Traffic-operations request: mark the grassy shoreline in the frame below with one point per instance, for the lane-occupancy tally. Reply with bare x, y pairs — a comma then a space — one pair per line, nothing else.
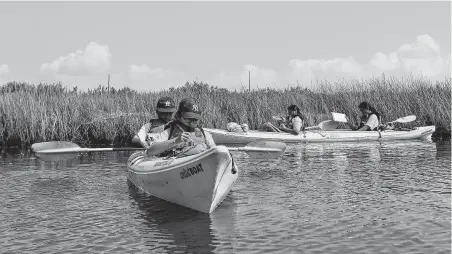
47, 112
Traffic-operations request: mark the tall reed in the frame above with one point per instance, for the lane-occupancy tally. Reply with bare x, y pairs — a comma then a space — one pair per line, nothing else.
36, 113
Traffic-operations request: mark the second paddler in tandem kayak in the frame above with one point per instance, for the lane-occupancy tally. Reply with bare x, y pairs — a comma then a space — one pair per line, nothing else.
370, 118
184, 134
293, 123
148, 132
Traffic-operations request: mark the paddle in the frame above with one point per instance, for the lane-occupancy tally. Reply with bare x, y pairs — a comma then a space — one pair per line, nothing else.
258, 149
405, 119
63, 150
325, 125
278, 118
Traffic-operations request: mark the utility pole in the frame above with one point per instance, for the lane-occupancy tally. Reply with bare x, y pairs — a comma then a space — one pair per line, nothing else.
108, 84
249, 80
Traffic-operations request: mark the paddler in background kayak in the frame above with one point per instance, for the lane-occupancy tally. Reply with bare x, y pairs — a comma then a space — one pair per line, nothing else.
165, 110
292, 123
184, 134
369, 120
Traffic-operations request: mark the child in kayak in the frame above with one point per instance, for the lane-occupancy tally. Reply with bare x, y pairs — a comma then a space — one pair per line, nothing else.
370, 119
165, 110
293, 122
184, 135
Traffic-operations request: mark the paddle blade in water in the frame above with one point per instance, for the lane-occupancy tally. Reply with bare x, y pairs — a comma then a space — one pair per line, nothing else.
52, 145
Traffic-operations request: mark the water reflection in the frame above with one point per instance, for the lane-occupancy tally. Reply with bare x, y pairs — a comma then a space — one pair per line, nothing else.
177, 229
391, 197
443, 150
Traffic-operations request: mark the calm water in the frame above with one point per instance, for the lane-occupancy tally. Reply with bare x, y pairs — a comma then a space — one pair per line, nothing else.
317, 198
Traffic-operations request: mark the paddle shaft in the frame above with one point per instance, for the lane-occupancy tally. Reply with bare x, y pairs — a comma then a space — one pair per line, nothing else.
82, 150
254, 149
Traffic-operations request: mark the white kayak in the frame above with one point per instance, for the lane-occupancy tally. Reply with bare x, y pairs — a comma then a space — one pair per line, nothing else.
199, 182
312, 136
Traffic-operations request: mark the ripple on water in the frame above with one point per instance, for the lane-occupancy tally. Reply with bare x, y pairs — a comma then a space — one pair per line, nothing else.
317, 198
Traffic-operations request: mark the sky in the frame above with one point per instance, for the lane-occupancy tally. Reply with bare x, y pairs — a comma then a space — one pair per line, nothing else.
149, 46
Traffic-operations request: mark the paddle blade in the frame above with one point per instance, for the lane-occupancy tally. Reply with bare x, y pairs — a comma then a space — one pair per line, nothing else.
265, 149
328, 125
37, 147
339, 117
406, 119
277, 118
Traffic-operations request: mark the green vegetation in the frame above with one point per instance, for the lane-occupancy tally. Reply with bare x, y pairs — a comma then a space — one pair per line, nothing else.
45, 112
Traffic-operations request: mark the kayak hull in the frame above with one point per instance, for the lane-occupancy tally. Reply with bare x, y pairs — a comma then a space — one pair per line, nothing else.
199, 182
318, 136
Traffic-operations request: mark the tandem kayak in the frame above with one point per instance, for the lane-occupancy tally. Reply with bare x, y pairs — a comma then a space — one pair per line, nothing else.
199, 182
313, 136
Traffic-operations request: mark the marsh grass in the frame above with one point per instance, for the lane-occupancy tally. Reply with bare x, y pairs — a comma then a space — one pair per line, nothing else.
47, 112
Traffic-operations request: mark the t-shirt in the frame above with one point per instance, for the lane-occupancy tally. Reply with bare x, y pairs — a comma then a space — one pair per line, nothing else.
372, 122
297, 123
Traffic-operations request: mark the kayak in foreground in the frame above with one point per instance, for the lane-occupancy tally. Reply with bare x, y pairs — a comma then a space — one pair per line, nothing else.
199, 182
226, 137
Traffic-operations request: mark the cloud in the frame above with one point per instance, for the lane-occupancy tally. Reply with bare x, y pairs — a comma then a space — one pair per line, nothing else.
137, 72
4, 70
420, 57
385, 62
424, 46
4, 73
144, 78
305, 71
93, 60
423, 56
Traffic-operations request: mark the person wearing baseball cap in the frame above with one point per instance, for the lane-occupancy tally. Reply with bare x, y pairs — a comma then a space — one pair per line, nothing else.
185, 132
165, 109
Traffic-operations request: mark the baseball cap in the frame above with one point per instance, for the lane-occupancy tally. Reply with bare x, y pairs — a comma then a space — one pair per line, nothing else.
166, 104
189, 109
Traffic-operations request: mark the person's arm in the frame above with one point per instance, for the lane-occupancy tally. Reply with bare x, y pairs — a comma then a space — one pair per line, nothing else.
162, 143
209, 140
297, 125
283, 127
352, 126
159, 147
142, 134
364, 128
371, 123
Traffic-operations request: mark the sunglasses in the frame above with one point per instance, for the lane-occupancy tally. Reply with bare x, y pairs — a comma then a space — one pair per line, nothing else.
191, 120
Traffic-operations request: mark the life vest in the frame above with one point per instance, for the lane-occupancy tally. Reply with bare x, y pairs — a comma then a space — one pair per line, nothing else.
364, 120
157, 126
289, 121
198, 137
